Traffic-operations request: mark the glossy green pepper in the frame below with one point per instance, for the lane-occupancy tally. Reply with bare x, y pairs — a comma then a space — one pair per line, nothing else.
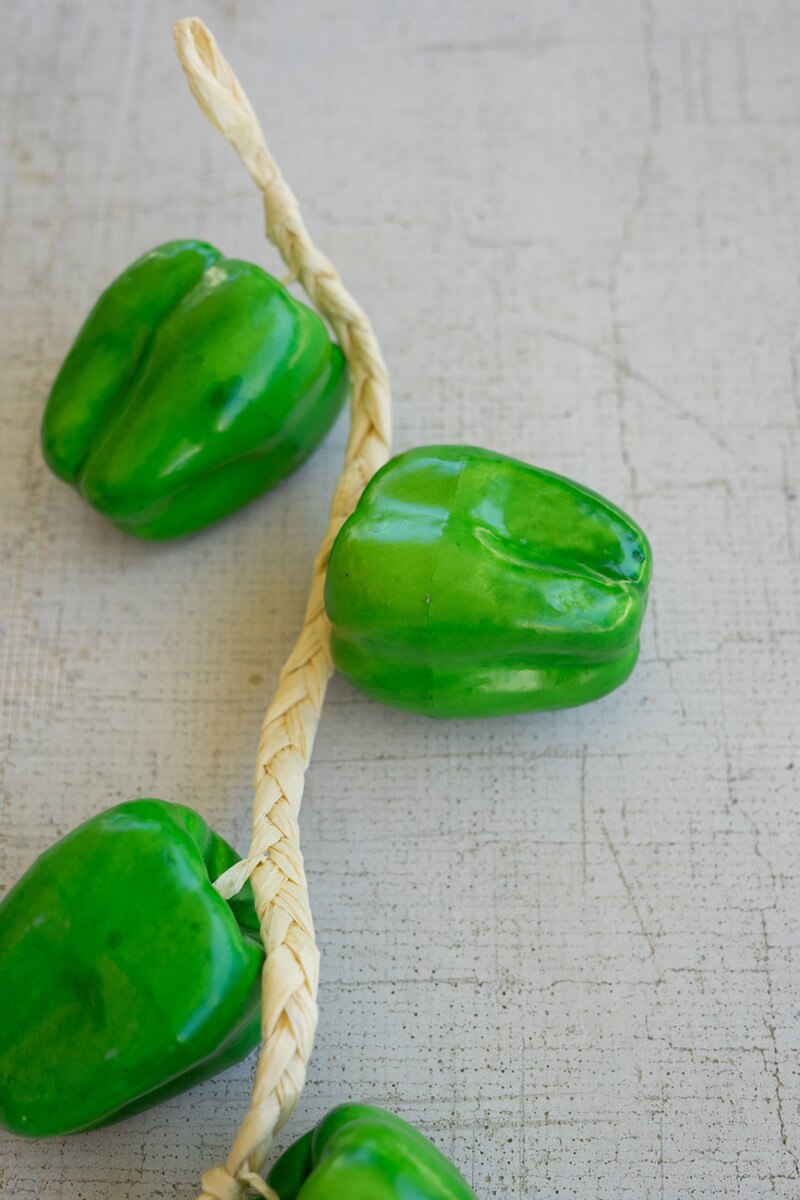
363, 1153
196, 383
124, 976
467, 584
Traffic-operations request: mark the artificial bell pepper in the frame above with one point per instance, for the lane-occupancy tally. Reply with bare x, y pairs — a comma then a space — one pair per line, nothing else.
362, 1153
468, 584
196, 383
124, 976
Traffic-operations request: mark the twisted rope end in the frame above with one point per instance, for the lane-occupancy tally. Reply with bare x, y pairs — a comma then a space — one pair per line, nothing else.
218, 1184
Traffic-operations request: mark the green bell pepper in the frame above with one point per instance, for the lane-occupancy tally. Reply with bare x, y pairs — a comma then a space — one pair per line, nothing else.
196, 383
467, 584
124, 976
363, 1153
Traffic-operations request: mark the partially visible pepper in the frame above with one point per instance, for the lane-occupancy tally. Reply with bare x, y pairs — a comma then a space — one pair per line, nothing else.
124, 976
362, 1153
468, 584
196, 383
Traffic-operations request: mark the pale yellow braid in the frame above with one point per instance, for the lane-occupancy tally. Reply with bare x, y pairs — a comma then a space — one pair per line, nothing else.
274, 861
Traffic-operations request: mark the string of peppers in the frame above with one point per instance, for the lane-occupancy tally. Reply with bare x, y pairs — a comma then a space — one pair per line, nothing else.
458, 582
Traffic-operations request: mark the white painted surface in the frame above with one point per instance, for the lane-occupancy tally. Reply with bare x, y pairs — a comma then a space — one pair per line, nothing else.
567, 946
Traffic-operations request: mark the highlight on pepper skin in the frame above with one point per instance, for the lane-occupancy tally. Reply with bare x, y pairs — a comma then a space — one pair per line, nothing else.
125, 976
358, 1152
469, 584
196, 383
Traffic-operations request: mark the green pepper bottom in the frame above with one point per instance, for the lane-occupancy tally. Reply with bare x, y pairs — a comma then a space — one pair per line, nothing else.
481, 689
124, 975
362, 1153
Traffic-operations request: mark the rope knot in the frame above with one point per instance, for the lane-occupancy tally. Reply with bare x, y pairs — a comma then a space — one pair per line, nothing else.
219, 1184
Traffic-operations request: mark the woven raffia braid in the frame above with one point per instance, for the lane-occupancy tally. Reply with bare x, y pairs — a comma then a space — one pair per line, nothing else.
274, 861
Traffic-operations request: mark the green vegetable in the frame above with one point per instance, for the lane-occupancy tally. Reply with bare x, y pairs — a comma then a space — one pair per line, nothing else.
363, 1153
467, 584
124, 976
196, 383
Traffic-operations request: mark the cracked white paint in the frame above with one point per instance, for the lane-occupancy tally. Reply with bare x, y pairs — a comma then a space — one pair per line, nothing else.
568, 946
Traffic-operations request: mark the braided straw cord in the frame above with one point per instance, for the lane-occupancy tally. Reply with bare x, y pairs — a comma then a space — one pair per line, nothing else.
274, 861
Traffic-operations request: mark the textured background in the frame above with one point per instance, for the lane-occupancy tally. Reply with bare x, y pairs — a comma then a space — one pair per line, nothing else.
567, 946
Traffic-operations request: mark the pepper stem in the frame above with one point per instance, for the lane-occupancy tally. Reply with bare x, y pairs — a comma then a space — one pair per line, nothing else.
274, 861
